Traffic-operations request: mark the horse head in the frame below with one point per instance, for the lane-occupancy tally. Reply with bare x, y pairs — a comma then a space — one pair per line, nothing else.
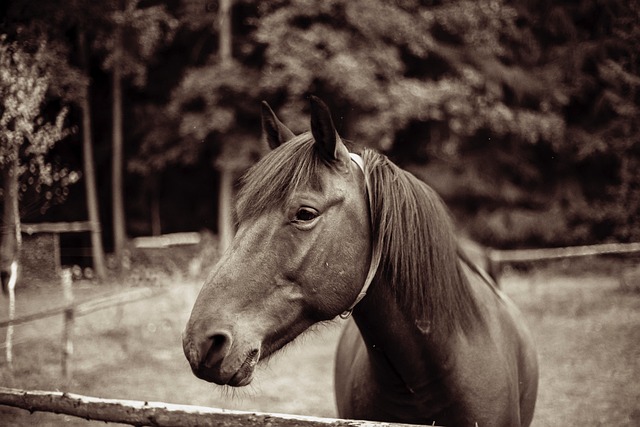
300, 255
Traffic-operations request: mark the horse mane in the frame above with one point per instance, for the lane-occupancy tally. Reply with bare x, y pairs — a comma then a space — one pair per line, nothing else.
410, 226
419, 250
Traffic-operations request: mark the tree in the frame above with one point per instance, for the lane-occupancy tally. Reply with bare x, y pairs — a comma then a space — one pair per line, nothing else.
491, 102
449, 88
225, 215
131, 41
88, 165
385, 77
25, 133
66, 27
590, 51
208, 109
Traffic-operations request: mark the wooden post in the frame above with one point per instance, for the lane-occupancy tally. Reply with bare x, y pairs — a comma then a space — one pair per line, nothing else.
494, 267
57, 256
12, 312
67, 333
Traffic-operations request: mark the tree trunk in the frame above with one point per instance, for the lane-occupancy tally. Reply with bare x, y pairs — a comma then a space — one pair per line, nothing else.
119, 232
224, 19
156, 221
89, 173
225, 212
11, 237
225, 195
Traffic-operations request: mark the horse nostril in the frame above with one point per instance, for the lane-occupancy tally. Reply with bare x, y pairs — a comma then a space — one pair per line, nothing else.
218, 343
216, 348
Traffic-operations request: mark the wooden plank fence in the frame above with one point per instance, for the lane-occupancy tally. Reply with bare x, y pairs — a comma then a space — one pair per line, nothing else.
56, 227
493, 260
525, 255
141, 413
167, 240
165, 414
86, 307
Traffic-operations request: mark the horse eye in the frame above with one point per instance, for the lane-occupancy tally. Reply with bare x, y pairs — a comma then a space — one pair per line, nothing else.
305, 215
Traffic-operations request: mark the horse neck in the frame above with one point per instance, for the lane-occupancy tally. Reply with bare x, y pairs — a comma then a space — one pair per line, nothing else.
417, 352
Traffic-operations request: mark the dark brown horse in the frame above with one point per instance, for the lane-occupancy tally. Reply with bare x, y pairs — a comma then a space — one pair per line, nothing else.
324, 232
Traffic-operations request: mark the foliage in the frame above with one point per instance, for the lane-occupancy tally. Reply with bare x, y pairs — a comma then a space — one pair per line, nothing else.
26, 130
523, 114
438, 66
532, 112
143, 30
586, 181
39, 30
212, 103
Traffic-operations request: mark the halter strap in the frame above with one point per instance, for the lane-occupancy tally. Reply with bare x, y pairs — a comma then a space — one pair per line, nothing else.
375, 256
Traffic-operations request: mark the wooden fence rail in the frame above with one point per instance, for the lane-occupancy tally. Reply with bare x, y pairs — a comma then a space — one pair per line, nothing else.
140, 413
89, 306
494, 259
70, 311
524, 255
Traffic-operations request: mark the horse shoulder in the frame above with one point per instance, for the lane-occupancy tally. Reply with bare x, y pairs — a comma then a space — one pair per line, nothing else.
351, 382
527, 360
503, 356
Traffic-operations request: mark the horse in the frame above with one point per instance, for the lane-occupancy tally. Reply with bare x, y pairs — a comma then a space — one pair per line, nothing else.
326, 230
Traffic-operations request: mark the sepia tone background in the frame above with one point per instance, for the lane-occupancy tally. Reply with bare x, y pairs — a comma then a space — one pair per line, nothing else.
132, 119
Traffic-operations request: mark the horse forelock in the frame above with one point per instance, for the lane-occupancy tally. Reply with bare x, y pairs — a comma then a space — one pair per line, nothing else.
270, 182
415, 236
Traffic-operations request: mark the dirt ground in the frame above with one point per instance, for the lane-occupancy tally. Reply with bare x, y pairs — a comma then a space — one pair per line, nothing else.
587, 330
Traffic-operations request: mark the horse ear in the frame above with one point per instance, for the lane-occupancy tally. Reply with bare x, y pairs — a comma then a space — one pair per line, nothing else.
324, 132
274, 132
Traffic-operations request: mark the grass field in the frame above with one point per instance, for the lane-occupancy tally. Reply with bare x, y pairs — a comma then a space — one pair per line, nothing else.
587, 330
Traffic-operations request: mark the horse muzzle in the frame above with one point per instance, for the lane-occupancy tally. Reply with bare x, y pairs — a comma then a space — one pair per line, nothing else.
216, 358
